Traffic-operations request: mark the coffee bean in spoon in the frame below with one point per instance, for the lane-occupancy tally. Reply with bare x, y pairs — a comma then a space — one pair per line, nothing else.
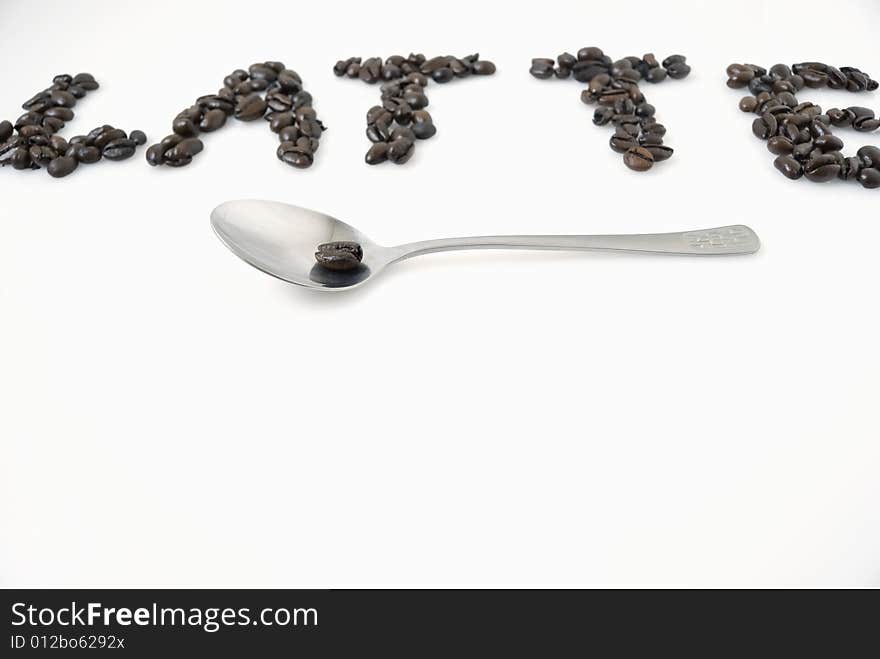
339, 256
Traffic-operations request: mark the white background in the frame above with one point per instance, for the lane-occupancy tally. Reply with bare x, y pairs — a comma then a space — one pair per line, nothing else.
169, 415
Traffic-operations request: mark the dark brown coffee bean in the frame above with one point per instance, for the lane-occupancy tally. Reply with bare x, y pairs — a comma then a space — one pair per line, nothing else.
828, 143
484, 68
42, 155
281, 120
339, 256
61, 166
86, 154
869, 177
764, 126
660, 152
822, 168
62, 99
21, 158
638, 159
779, 145
120, 149
5, 130
678, 70
212, 120
189, 147
789, 167
184, 126
869, 156
400, 151
250, 107
378, 153
622, 143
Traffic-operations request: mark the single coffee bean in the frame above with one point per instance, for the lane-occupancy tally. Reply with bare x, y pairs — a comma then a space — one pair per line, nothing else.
107, 136
120, 149
339, 256
828, 143
189, 147
869, 177
622, 143
21, 158
424, 130
779, 145
789, 167
86, 154
42, 155
869, 156
484, 68
764, 126
61, 166
400, 151
62, 99
659, 152
378, 153
638, 159
822, 168
5, 130
250, 107
184, 126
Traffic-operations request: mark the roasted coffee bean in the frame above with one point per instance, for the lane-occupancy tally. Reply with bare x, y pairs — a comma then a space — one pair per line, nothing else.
62, 98
281, 120
138, 136
779, 145
622, 143
61, 166
764, 126
869, 177
120, 149
789, 167
442, 75
849, 169
401, 118
484, 68
250, 107
107, 136
400, 151
378, 153
803, 133
42, 155
21, 158
189, 147
5, 130
869, 156
827, 143
638, 159
822, 168
183, 161
212, 120
58, 143
339, 256
659, 152
86, 154
739, 75
542, 68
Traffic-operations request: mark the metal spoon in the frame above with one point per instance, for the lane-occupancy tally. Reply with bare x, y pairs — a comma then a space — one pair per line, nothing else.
281, 239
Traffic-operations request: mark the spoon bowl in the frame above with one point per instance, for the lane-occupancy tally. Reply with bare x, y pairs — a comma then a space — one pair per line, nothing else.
280, 240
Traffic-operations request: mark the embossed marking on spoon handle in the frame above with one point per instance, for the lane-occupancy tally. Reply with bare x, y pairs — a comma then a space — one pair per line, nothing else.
736, 239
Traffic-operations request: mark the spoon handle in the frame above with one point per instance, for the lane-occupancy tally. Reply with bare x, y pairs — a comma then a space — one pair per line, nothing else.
736, 239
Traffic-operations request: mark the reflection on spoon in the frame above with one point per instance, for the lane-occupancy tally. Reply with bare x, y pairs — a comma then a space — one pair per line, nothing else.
280, 240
